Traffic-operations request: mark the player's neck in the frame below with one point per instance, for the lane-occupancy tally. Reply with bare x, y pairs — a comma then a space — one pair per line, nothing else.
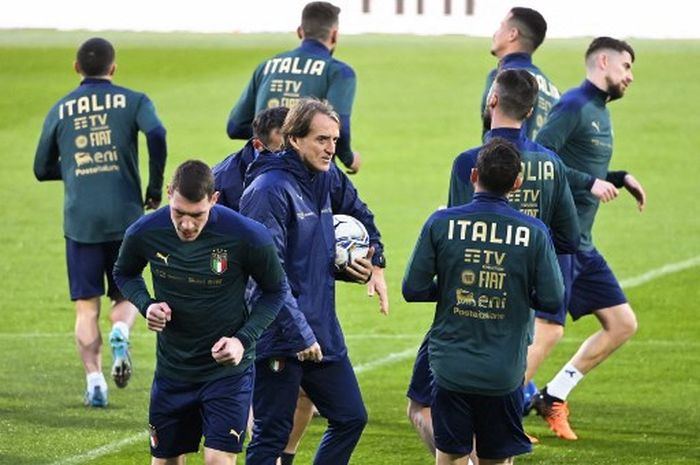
499, 121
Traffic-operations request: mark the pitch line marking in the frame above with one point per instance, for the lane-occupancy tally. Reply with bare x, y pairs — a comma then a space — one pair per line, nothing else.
104, 450
659, 272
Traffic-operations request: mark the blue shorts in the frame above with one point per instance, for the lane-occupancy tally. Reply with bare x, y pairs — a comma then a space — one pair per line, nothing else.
181, 412
496, 421
420, 389
88, 265
590, 286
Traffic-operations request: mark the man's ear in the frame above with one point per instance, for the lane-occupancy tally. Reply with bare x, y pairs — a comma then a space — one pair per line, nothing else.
112, 69
300, 32
474, 176
518, 182
214, 197
76, 67
169, 189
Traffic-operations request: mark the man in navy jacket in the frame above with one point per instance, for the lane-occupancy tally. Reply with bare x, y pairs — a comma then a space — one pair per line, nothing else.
295, 195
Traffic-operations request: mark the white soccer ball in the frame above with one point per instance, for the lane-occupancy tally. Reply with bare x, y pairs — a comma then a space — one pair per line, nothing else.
351, 240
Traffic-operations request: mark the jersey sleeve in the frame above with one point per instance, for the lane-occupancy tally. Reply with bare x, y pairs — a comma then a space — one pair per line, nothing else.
127, 273
566, 231
240, 120
419, 283
47, 162
548, 290
461, 190
264, 267
341, 94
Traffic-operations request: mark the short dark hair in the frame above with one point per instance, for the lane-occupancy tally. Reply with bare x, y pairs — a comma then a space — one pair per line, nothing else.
517, 92
298, 120
601, 43
267, 120
95, 56
194, 180
531, 24
498, 166
318, 18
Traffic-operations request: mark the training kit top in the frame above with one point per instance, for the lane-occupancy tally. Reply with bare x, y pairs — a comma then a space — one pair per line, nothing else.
547, 95
90, 141
579, 129
203, 282
307, 71
492, 264
544, 194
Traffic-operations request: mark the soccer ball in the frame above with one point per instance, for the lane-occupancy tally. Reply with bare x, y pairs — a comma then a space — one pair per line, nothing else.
351, 240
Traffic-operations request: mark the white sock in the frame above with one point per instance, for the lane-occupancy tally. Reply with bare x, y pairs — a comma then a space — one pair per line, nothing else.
96, 378
562, 384
123, 327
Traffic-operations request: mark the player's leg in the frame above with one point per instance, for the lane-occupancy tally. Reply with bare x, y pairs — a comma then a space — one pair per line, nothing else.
333, 388
225, 407
420, 397
275, 395
85, 277
596, 291
453, 425
174, 420
547, 335
302, 417
122, 315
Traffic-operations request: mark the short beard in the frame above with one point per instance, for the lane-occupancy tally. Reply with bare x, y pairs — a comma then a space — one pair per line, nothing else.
615, 91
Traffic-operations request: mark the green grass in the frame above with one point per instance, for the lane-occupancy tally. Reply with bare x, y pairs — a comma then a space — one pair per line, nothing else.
416, 109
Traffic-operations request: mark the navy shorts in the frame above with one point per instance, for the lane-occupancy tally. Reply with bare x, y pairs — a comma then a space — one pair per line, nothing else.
88, 265
420, 389
590, 286
182, 412
496, 421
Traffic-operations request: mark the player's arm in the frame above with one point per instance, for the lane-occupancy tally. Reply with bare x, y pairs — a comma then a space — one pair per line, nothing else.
624, 179
341, 94
461, 190
47, 160
263, 265
240, 120
566, 231
149, 123
419, 283
269, 207
128, 270
548, 289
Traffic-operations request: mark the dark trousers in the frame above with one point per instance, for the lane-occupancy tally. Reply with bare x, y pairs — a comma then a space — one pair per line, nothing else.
331, 386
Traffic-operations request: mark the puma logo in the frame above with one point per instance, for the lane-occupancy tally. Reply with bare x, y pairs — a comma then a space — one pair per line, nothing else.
595, 125
238, 435
570, 373
163, 257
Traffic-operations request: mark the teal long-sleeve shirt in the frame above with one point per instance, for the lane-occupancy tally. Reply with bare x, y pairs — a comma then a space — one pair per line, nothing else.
485, 264
579, 129
90, 141
544, 194
203, 282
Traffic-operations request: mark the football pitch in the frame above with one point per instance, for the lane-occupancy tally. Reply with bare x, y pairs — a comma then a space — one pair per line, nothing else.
415, 110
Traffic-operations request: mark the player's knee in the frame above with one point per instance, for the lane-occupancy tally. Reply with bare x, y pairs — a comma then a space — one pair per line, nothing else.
628, 325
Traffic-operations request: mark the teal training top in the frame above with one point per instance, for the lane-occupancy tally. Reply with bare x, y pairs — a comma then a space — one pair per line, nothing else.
579, 129
544, 194
90, 141
492, 263
203, 282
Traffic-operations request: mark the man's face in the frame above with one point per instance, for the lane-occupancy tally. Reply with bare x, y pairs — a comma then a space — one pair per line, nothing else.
502, 36
317, 148
189, 218
618, 73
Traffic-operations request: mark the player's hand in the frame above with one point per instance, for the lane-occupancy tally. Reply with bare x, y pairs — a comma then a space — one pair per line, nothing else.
377, 284
635, 188
312, 353
360, 269
605, 191
356, 163
151, 204
157, 315
228, 351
